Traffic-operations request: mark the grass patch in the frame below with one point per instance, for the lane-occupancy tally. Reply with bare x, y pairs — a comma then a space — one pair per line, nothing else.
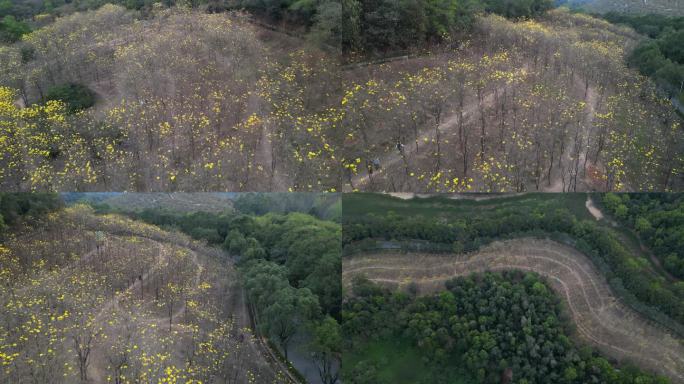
361, 204
397, 361
77, 97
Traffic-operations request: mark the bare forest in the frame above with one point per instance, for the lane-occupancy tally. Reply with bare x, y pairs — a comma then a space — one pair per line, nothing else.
180, 99
102, 299
538, 105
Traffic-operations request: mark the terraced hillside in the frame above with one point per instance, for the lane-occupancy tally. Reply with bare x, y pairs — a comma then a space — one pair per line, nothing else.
106, 299
601, 319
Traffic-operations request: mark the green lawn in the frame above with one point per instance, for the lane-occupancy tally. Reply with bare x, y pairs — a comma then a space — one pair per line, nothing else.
359, 204
398, 362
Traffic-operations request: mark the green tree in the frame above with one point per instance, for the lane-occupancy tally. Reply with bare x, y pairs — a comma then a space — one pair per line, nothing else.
291, 309
326, 348
12, 30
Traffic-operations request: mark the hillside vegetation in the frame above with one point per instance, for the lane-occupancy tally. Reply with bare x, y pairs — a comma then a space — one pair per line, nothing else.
90, 298
480, 328
658, 220
546, 104
522, 98
289, 265
664, 7
177, 202
465, 226
166, 295
319, 20
245, 120
613, 299
379, 26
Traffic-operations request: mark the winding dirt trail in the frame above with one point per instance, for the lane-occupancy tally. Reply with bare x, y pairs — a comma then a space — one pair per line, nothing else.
264, 151
601, 319
558, 182
261, 360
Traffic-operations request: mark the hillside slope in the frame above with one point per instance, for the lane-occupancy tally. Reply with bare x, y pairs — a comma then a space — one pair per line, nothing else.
665, 7
601, 318
104, 298
180, 202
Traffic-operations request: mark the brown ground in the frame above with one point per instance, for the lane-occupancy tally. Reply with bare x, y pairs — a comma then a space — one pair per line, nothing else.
601, 319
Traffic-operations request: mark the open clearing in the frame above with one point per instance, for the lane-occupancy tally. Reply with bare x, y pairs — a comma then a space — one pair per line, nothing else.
600, 318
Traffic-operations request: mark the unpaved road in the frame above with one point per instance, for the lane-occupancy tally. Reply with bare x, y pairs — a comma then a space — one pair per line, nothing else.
601, 319
591, 207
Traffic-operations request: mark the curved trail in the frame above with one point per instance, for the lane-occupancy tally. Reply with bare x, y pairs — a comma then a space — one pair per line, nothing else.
97, 372
393, 156
601, 319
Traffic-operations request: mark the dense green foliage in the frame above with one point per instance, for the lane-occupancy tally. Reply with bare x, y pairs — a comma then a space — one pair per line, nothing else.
14, 206
288, 264
12, 30
629, 277
200, 225
328, 206
658, 219
651, 25
519, 8
384, 25
662, 56
305, 248
319, 18
308, 248
378, 26
485, 323
77, 97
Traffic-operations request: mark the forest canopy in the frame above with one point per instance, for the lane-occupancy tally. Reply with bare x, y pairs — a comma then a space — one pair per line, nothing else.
385, 25
656, 218
482, 328
17, 206
644, 290
662, 55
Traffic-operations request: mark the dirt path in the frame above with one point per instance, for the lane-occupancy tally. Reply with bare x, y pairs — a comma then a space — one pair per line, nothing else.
97, 371
591, 207
164, 320
260, 356
601, 319
393, 156
558, 183
109, 304
265, 153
